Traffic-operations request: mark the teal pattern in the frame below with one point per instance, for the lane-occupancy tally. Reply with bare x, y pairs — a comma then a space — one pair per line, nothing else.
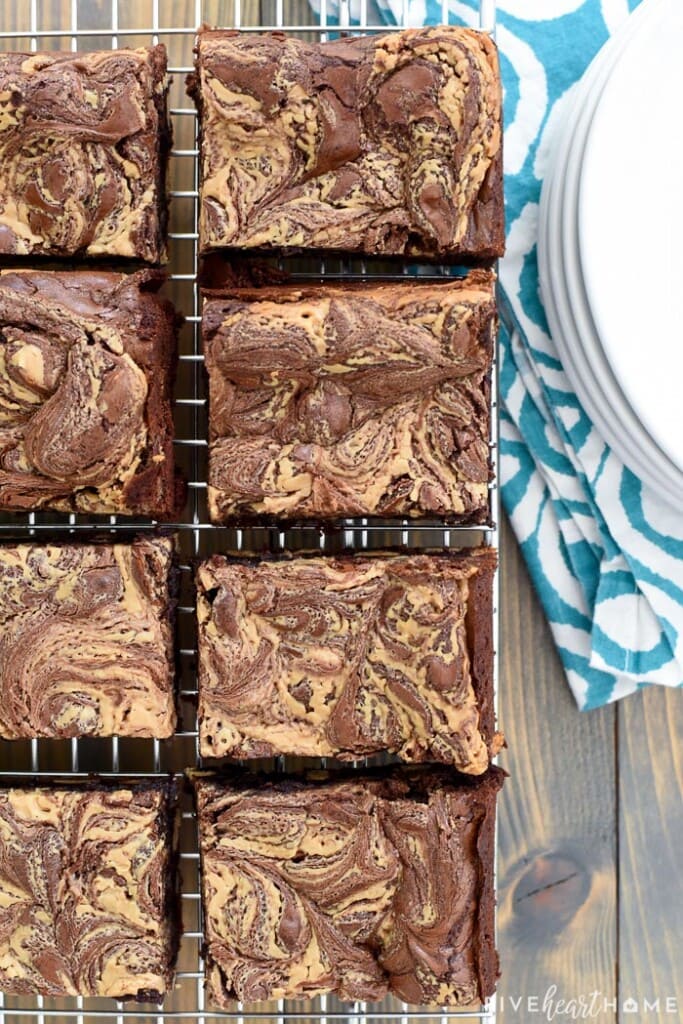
605, 555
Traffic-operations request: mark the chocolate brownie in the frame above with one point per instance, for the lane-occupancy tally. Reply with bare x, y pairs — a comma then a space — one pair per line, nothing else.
383, 144
372, 399
87, 365
356, 885
88, 902
348, 657
83, 145
86, 639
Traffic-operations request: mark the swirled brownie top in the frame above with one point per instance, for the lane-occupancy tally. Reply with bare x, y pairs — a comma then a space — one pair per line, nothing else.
86, 639
367, 400
348, 657
87, 892
357, 887
87, 361
384, 144
83, 143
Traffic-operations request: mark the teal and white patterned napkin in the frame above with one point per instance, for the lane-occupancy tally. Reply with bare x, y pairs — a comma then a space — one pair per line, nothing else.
605, 555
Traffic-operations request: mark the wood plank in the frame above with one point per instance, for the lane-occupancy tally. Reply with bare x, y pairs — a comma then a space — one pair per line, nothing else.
650, 844
557, 851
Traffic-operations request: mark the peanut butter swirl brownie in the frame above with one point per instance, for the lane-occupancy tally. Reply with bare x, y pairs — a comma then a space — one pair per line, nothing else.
348, 657
83, 145
87, 891
86, 639
357, 885
368, 400
87, 364
383, 144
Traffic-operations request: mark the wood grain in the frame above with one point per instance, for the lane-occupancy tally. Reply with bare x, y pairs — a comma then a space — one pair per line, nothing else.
557, 839
650, 845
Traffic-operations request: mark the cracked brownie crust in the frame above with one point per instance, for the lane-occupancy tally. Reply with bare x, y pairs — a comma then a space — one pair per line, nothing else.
374, 144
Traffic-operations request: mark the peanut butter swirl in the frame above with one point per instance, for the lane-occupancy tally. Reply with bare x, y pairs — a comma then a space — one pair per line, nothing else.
358, 888
379, 144
87, 361
346, 657
86, 640
372, 400
86, 892
83, 141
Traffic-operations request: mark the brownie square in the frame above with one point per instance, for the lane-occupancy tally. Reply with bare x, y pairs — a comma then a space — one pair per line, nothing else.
88, 903
383, 144
87, 367
358, 886
369, 400
86, 640
348, 657
83, 144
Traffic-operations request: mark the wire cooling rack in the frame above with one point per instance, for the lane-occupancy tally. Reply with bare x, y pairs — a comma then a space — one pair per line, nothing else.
30, 25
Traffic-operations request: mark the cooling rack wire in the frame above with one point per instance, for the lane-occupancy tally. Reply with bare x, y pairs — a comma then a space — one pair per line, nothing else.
33, 25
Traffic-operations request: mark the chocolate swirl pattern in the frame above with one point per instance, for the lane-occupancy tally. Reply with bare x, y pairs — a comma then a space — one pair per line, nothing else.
372, 400
87, 362
384, 144
83, 144
86, 640
87, 892
348, 657
365, 886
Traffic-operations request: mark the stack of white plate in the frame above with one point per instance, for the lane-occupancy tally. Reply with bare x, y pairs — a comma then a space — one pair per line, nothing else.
611, 245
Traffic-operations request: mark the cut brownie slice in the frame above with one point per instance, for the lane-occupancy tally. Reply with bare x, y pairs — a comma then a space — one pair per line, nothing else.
353, 885
383, 144
368, 400
86, 642
348, 657
83, 145
87, 365
88, 891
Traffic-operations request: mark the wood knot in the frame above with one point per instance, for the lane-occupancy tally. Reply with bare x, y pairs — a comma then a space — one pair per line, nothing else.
551, 891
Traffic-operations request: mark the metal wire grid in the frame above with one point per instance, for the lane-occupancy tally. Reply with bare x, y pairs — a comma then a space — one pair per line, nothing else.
111, 23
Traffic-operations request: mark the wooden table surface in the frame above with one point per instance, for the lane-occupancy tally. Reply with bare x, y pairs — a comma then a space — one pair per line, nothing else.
591, 829
591, 819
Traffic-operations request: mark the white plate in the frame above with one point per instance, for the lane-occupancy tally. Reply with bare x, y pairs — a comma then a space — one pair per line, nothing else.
564, 295
630, 208
612, 413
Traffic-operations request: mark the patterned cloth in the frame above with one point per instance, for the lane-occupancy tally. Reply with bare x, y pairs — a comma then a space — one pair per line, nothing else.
604, 553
